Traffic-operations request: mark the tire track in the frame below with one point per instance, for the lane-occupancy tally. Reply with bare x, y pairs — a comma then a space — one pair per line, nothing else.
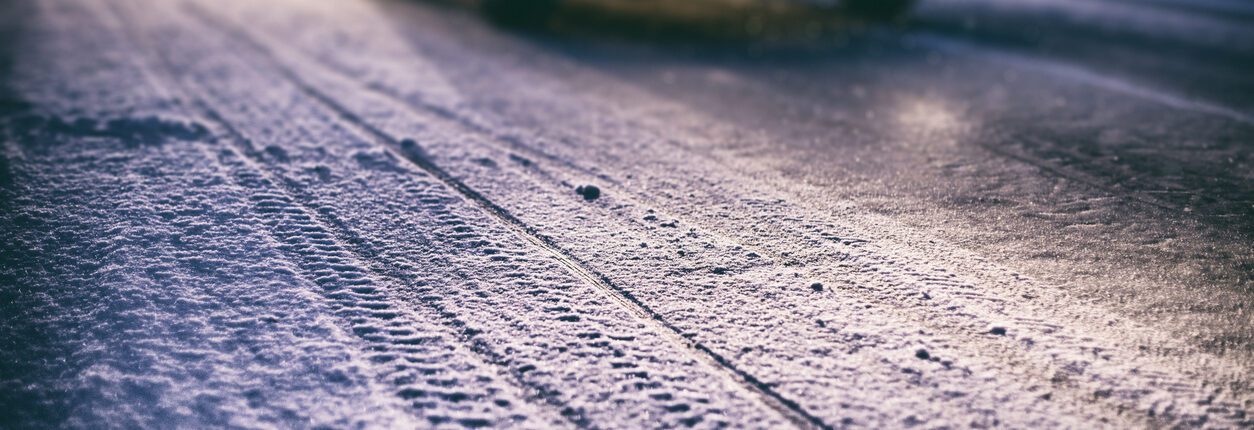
409, 151
962, 288
848, 241
316, 238
625, 368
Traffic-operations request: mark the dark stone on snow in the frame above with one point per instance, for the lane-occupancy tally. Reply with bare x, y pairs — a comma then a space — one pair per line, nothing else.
589, 192
922, 354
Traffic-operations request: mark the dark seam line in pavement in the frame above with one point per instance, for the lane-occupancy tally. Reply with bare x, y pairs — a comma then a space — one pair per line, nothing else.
788, 408
241, 147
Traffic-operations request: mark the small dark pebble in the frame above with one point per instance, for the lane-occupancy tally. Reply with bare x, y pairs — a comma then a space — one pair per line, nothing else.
650, 217
681, 407
922, 354
520, 160
720, 270
999, 331
817, 287
589, 192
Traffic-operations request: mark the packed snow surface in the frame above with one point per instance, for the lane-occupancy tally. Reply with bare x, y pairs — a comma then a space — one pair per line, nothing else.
389, 214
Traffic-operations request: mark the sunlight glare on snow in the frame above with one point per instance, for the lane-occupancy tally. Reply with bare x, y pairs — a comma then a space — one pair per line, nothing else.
929, 118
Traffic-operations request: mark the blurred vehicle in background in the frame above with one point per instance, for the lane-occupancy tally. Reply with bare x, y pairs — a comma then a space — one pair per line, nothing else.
534, 12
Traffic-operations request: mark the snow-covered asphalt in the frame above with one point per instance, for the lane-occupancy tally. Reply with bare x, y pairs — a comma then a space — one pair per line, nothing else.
393, 214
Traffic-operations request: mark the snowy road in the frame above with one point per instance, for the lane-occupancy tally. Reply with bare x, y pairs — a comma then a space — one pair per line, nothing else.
1031, 214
